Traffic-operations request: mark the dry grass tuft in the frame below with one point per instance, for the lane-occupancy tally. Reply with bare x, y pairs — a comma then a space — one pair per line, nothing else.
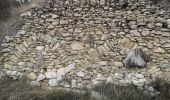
20, 90
115, 92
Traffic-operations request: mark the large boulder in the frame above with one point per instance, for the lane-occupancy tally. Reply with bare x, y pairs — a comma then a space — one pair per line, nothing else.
135, 57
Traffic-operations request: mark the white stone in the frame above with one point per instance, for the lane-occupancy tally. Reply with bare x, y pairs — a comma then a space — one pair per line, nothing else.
109, 80
103, 63
168, 21
26, 14
81, 74
135, 82
77, 46
63, 22
102, 2
95, 82
51, 74
39, 48
54, 16
12, 73
53, 82
166, 46
69, 68
140, 76
50, 27
158, 24
40, 77
118, 76
73, 83
21, 32
25, 44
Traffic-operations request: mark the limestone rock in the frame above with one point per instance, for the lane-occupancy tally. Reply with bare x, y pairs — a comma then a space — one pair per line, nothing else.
31, 76
134, 33
40, 77
77, 46
39, 48
81, 74
119, 64
69, 68
60, 71
73, 83
53, 82
103, 63
159, 50
51, 74
140, 76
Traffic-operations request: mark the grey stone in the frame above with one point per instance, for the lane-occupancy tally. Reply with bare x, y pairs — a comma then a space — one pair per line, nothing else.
135, 58
51, 74
73, 83
69, 68
134, 33
40, 77
140, 76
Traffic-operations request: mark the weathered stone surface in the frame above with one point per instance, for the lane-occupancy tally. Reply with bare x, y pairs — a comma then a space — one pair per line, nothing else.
135, 58
31, 76
77, 46
53, 82
119, 64
69, 68
51, 74
134, 33
40, 77
159, 50
81, 74
39, 48
140, 76
60, 71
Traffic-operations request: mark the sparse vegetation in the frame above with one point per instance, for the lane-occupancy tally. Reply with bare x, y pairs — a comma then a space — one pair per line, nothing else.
115, 92
20, 90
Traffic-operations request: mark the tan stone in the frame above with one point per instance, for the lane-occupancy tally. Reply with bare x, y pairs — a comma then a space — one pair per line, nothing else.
31, 76
119, 64
55, 46
127, 43
77, 46
8, 66
159, 50
60, 71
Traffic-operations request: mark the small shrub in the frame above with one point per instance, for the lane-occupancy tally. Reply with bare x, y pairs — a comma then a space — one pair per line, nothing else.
115, 92
164, 88
20, 90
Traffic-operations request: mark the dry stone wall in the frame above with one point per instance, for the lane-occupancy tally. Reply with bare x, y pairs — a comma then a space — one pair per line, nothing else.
79, 45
